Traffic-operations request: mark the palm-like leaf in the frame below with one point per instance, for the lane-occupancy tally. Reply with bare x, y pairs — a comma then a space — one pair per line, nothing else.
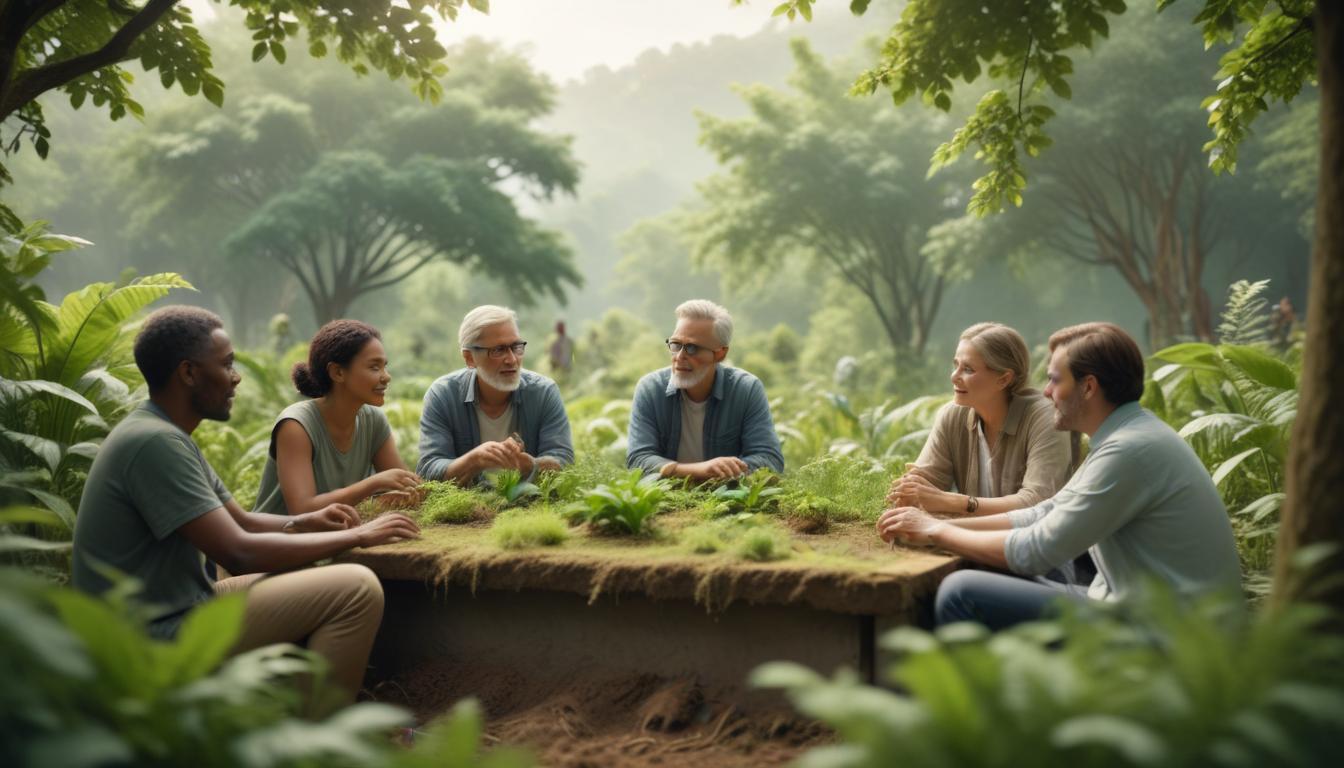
90, 320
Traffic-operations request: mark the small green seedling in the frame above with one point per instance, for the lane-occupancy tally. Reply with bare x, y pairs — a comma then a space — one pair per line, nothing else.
621, 506
509, 485
754, 493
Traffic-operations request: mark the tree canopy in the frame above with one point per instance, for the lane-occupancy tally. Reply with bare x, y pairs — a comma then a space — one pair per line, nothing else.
813, 173
82, 47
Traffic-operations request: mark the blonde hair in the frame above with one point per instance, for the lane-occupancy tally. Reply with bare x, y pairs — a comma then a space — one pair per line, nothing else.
704, 309
480, 318
1003, 349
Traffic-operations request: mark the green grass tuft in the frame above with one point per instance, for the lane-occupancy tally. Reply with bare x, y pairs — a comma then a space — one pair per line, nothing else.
763, 544
447, 503
527, 529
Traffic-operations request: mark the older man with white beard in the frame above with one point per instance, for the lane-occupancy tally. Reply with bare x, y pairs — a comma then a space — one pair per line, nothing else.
492, 414
698, 418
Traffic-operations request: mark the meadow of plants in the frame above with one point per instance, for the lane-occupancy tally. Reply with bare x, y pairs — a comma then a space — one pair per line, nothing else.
66, 378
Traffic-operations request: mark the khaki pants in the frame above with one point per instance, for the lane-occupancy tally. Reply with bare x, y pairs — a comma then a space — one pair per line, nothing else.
334, 610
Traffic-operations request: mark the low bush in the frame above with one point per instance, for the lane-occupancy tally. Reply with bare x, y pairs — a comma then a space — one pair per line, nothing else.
509, 486
1160, 683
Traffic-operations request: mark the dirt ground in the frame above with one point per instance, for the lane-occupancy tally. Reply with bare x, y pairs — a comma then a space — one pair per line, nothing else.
629, 722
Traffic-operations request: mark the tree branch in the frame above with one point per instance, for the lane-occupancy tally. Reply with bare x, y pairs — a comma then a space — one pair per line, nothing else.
39, 80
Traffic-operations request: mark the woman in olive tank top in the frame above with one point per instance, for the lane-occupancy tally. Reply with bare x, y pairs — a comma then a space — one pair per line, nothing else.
337, 446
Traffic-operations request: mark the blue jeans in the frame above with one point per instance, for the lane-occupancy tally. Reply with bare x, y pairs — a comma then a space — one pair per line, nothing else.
997, 600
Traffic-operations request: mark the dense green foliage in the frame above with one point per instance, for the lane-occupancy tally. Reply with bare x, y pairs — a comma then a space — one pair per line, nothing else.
84, 685
1151, 684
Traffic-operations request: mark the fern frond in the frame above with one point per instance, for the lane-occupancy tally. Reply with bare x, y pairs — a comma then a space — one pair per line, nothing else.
1246, 319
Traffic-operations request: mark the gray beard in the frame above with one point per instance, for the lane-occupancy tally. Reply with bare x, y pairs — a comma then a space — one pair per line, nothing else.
686, 381
503, 385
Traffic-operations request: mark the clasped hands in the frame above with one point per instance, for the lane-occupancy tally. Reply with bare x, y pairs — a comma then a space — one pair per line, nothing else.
907, 520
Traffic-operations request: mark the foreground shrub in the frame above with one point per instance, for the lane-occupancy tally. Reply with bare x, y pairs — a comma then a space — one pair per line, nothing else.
836, 488
1156, 684
85, 686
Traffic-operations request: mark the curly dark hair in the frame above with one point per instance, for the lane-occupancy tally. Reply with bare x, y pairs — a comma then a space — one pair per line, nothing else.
339, 341
169, 336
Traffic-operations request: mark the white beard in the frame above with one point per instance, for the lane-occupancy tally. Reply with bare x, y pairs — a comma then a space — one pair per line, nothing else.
687, 380
501, 384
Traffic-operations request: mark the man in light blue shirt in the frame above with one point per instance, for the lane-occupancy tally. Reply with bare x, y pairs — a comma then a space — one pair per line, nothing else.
492, 414
1142, 503
698, 418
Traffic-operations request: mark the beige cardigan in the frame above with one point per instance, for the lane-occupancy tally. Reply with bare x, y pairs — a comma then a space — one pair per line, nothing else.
1031, 462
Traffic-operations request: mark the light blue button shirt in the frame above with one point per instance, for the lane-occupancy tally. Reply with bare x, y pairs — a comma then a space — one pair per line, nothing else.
1143, 505
737, 421
448, 425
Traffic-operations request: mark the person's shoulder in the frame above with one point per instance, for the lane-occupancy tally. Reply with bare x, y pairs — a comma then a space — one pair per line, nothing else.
301, 411
453, 381
741, 377
654, 379
540, 381
952, 415
371, 414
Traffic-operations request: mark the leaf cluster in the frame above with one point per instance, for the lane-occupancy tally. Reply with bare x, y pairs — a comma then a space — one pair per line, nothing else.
1165, 684
624, 506
509, 486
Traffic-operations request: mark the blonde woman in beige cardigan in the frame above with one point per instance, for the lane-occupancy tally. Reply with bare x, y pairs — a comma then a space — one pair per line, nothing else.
995, 447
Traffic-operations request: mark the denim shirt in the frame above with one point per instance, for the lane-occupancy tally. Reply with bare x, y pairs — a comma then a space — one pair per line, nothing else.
1143, 505
737, 421
448, 425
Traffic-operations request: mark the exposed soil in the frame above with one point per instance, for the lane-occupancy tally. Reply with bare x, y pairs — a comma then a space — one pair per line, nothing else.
629, 722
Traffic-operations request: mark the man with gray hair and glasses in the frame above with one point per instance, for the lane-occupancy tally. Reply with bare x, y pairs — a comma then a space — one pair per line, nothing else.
492, 414
698, 418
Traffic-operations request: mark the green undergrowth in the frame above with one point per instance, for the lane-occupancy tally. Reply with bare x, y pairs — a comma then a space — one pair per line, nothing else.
529, 528
449, 503
745, 535
836, 489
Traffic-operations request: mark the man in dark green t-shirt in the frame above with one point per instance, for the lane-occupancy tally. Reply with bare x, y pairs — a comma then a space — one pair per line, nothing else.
153, 509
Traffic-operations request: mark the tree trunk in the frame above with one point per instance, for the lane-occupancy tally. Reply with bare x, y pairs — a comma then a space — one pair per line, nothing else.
1315, 473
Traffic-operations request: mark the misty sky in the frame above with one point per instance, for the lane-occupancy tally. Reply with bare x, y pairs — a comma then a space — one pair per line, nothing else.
567, 37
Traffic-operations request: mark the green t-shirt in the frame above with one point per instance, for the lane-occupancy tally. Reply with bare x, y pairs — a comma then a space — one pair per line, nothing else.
148, 480
331, 468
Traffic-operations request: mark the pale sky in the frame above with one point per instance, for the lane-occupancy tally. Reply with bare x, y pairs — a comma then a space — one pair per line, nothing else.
567, 37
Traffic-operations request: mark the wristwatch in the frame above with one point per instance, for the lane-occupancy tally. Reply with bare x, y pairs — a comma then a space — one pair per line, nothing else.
972, 504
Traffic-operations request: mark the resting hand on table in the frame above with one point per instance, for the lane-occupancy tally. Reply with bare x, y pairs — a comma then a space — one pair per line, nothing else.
908, 524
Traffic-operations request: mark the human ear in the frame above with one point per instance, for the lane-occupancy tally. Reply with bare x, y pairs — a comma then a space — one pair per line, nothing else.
466, 358
720, 354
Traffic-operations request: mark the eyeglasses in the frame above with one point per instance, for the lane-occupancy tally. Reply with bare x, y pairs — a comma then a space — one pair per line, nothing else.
691, 350
496, 352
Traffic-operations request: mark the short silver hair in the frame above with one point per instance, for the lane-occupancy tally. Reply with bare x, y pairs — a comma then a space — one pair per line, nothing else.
480, 318
704, 309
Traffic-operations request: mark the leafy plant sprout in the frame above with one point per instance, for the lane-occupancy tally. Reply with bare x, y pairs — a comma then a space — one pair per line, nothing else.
622, 506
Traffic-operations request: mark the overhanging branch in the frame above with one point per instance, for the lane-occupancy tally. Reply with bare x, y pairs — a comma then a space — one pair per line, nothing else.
38, 81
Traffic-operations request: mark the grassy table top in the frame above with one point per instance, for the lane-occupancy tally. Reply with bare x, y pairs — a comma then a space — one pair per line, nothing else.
846, 569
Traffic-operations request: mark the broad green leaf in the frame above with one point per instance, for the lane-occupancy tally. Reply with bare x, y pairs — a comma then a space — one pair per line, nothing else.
783, 674
1261, 366
1137, 743
1191, 355
205, 638
42, 638
1227, 467
90, 319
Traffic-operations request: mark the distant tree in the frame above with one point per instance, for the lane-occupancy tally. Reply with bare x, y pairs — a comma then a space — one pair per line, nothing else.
1276, 48
814, 173
231, 174
81, 46
354, 224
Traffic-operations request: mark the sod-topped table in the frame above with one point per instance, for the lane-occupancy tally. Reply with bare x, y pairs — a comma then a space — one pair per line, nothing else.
599, 607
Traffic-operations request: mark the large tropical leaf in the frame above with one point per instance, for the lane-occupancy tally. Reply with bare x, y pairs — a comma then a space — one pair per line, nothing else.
89, 322
1260, 366
1191, 355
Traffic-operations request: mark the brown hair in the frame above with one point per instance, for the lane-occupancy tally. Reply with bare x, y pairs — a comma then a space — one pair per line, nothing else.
1105, 351
339, 342
1003, 349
